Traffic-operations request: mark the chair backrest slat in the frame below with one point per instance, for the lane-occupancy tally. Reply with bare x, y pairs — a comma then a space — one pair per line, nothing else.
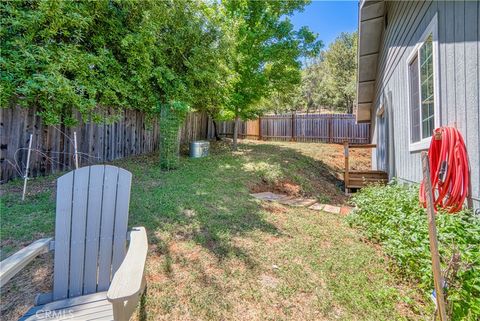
106, 228
121, 219
62, 236
90, 229
77, 238
95, 197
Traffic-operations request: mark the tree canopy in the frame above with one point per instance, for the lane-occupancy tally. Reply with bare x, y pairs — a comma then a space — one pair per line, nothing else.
341, 66
267, 51
88, 56
222, 57
328, 81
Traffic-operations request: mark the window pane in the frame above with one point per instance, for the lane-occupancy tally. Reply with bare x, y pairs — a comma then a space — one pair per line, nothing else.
427, 94
414, 101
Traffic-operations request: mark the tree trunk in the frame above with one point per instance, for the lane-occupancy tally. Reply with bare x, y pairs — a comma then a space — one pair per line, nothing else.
235, 133
350, 107
215, 131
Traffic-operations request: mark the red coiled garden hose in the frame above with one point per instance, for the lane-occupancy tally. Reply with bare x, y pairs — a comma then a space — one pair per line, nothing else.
449, 171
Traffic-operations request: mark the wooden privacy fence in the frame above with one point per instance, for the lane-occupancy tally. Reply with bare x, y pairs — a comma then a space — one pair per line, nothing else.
53, 148
132, 134
327, 128
246, 129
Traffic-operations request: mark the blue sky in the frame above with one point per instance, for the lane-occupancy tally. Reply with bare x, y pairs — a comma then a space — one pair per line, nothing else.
328, 18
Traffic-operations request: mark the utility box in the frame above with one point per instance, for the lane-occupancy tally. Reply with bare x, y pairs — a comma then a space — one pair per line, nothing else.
199, 148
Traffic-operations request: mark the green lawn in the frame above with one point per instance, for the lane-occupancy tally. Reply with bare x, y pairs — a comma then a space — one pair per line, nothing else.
218, 254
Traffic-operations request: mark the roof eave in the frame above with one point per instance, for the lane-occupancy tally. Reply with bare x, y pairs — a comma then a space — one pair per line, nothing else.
370, 27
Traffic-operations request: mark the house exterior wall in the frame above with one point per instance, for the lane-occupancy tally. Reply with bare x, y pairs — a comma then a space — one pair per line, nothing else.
458, 84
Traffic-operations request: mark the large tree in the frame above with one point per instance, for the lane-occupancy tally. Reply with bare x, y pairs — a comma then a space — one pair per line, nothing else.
266, 55
328, 81
214, 76
89, 56
341, 64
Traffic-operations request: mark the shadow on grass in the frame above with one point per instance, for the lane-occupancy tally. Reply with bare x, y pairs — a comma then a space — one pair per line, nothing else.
201, 216
207, 201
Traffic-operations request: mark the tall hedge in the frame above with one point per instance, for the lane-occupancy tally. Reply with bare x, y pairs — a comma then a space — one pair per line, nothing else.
88, 56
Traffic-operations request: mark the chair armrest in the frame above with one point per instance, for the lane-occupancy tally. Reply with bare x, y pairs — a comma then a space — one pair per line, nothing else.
128, 281
13, 264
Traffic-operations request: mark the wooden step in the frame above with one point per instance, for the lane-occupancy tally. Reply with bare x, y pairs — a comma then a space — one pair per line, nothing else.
363, 182
368, 172
368, 177
374, 175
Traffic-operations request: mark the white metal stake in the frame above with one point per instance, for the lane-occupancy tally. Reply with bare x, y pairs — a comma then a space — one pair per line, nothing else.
75, 147
25, 177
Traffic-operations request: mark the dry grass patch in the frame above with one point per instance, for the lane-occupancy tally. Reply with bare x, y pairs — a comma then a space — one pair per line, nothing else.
18, 295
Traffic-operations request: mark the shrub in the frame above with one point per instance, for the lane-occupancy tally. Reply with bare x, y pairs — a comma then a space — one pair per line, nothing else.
100, 56
391, 215
172, 116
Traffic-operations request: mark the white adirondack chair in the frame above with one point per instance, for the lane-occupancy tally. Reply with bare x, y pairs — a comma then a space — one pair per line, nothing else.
95, 277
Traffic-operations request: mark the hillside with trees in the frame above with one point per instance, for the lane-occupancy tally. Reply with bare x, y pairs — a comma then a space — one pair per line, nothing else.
328, 81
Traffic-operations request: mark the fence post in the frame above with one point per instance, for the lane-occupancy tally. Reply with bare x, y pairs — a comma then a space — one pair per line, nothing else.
346, 176
330, 128
293, 127
259, 128
348, 132
268, 132
75, 155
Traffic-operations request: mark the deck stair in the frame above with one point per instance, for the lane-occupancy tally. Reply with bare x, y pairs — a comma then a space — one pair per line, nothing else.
358, 179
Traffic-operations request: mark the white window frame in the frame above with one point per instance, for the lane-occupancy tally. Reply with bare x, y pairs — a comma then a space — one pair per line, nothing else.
432, 29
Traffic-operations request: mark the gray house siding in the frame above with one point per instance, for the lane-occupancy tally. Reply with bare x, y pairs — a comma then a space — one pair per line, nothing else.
459, 83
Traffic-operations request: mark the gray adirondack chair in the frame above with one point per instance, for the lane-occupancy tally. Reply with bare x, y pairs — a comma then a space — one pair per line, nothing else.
95, 276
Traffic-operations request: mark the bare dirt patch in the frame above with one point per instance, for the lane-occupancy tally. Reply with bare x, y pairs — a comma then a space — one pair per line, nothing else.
274, 208
285, 186
323, 183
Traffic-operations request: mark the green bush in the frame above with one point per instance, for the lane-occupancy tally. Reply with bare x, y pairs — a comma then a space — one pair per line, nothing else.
172, 116
391, 215
95, 57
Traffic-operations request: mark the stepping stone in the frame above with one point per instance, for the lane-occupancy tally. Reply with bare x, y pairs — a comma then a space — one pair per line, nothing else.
268, 196
290, 200
317, 207
304, 202
331, 209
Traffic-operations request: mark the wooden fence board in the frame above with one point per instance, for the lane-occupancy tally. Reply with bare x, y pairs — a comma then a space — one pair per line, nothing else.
327, 128
97, 142
133, 135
